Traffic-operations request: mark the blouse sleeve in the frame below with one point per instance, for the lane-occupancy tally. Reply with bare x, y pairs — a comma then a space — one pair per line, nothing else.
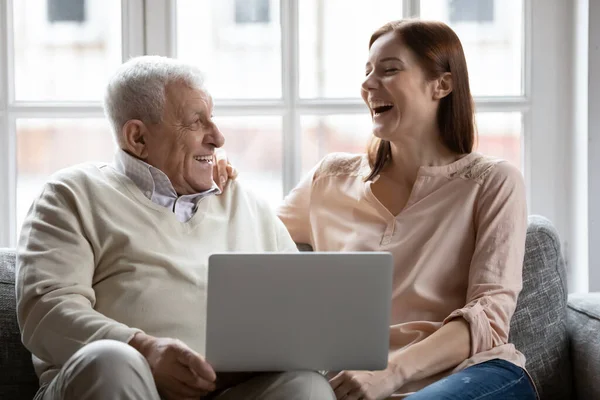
295, 209
495, 276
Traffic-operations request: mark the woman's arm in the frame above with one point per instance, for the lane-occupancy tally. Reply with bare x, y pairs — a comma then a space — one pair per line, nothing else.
495, 280
294, 212
445, 349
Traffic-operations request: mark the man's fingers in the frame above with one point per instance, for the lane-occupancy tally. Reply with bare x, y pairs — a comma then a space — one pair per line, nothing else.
170, 394
220, 168
197, 364
186, 376
232, 172
222, 171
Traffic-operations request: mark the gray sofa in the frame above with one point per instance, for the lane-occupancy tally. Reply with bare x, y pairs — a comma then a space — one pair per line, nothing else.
560, 336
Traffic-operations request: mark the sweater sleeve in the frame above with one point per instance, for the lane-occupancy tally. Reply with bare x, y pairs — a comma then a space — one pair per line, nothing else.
55, 269
284, 240
294, 211
495, 275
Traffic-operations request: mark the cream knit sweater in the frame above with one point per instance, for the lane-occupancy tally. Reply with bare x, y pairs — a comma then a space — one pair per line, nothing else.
98, 260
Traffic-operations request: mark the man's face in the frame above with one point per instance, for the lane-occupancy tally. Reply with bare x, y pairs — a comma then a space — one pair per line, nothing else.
183, 143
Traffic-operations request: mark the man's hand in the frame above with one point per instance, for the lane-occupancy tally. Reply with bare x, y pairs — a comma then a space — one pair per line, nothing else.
222, 170
365, 385
178, 371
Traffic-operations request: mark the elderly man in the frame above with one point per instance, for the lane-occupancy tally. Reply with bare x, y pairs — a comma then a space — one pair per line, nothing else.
112, 259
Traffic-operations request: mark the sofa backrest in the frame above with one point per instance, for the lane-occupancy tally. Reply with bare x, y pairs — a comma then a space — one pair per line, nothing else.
539, 325
17, 378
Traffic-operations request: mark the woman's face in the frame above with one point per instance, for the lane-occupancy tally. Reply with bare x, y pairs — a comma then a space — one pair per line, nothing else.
396, 90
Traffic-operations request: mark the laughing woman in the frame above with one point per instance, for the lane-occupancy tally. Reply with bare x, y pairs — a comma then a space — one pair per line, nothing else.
454, 220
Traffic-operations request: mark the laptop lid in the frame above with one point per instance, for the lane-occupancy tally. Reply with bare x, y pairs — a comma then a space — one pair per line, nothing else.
298, 311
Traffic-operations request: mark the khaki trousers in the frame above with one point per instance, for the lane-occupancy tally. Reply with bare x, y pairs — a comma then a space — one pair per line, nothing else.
108, 369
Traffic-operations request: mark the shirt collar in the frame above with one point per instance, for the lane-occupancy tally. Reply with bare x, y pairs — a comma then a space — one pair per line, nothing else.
151, 180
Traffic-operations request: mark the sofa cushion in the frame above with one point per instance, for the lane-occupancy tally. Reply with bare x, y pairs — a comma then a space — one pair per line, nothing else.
584, 330
17, 378
538, 328
539, 325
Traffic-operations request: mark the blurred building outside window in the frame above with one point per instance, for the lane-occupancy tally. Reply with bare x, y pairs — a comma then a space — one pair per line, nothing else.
65, 50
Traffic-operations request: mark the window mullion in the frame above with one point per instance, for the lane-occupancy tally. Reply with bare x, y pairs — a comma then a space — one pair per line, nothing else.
411, 8
7, 150
132, 32
527, 48
6, 183
4, 75
58, 110
160, 27
292, 150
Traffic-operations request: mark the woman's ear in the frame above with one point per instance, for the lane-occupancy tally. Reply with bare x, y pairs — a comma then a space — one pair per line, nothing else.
443, 86
133, 138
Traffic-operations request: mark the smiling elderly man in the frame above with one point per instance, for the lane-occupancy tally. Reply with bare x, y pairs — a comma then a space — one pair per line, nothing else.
112, 259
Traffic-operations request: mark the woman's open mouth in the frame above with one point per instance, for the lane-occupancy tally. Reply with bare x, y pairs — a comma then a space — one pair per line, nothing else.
380, 107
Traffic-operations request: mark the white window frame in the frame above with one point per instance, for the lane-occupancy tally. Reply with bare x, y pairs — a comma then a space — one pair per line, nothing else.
548, 114
162, 38
590, 134
132, 14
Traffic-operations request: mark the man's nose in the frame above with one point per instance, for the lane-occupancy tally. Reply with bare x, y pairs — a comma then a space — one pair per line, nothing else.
216, 137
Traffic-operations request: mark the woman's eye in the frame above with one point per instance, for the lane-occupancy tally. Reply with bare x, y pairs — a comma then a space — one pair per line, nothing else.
391, 70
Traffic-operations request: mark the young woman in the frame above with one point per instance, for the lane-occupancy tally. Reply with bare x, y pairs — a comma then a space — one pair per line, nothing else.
454, 220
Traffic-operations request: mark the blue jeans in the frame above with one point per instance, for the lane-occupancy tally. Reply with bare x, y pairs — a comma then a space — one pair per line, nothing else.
491, 380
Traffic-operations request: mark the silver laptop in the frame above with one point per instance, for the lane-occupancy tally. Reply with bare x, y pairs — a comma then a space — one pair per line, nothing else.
298, 311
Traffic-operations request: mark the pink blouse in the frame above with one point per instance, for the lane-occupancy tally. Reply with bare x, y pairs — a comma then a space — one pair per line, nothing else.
458, 245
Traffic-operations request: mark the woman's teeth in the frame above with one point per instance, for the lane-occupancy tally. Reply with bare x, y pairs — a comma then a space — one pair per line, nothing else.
379, 107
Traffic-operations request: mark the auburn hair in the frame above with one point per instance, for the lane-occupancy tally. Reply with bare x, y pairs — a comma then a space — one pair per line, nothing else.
438, 50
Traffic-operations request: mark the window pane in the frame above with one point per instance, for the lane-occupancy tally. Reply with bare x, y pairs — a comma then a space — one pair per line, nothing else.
254, 147
45, 146
491, 32
334, 41
500, 135
236, 43
65, 50
322, 135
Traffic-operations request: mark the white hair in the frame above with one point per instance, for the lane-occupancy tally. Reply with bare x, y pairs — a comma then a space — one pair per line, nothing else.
137, 90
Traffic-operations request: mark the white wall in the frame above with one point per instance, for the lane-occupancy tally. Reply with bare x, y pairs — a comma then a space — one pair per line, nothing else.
550, 116
594, 143
577, 184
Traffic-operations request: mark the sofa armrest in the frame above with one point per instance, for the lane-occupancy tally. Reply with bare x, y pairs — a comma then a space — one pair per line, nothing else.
583, 318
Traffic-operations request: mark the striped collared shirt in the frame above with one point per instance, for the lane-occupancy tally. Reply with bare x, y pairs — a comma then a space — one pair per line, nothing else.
157, 187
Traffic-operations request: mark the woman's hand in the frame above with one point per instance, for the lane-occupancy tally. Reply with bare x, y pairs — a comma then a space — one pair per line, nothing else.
365, 385
222, 169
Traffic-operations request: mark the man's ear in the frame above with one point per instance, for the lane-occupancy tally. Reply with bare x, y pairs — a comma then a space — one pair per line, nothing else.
133, 136
443, 86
